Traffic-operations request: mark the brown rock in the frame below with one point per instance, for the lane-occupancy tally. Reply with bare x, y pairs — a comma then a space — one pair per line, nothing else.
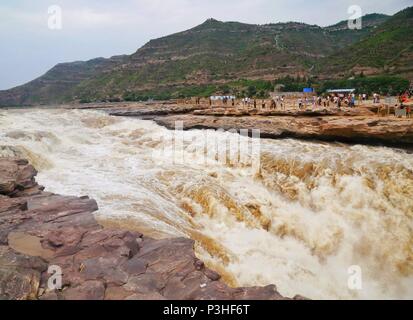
106, 269
49, 296
135, 266
212, 275
146, 283
360, 129
89, 290
149, 296
19, 275
117, 293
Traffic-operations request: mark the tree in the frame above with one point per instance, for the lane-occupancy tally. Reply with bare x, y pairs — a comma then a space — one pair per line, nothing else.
252, 91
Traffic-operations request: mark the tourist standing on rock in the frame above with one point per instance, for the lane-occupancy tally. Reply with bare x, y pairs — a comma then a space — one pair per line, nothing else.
300, 103
273, 105
353, 100
408, 111
376, 98
400, 99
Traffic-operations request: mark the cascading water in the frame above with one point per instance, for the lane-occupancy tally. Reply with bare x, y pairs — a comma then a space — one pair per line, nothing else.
301, 220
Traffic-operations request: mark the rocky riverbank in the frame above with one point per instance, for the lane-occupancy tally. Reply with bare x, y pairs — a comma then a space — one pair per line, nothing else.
352, 130
360, 125
39, 229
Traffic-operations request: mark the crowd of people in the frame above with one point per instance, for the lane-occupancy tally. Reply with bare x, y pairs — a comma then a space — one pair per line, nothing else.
338, 100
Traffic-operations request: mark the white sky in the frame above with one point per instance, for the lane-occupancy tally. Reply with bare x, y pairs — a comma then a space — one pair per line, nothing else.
102, 28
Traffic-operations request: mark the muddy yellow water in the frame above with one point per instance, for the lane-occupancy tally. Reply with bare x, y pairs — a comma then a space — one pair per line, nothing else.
301, 219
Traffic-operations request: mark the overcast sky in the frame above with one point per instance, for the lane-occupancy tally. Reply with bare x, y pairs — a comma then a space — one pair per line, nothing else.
102, 28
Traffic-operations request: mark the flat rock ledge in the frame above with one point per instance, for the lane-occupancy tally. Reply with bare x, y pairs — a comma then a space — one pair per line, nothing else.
366, 130
40, 230
360, 125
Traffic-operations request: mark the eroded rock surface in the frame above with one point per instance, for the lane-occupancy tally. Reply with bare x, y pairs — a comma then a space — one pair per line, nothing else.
349, 125
39, 230
388, 131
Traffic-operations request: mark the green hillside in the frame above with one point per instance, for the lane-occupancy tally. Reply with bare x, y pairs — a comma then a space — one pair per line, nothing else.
388, 50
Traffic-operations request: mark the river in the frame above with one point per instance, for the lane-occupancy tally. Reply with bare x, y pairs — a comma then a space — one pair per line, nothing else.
308, 218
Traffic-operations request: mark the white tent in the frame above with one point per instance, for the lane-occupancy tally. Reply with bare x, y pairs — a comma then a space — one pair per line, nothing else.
341, 90
222, 97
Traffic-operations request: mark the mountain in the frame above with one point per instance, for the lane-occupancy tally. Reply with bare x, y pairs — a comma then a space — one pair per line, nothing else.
59, 83
346, 36
387, 50
212, 55
216, 52
372, 20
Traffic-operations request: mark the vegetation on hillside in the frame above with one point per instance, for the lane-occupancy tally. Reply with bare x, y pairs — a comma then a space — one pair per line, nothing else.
383, 49
379, 84
262, 89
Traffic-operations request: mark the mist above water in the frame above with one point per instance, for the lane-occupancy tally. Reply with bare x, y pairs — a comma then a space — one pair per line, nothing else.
300, 220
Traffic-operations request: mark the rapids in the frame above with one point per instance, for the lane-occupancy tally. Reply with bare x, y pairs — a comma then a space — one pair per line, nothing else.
300, 220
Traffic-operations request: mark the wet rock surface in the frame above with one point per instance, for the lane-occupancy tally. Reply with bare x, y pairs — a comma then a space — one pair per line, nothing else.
360, 125
387, 131
39, 230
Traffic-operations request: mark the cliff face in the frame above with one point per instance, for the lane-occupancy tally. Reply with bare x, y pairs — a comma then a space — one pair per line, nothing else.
211, 53
40, 229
